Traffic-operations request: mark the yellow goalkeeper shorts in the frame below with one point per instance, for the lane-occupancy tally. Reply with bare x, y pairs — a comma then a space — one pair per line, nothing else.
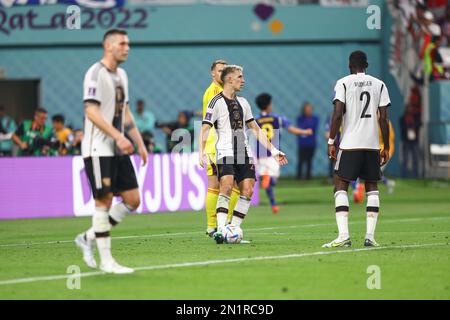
211, 169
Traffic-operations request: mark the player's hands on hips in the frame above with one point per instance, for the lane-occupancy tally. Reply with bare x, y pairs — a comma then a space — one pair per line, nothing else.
332, 151
124, 145
280, 157
143, 154
384, 157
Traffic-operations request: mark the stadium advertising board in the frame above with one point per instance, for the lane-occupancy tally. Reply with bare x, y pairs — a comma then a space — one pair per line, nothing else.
58, 187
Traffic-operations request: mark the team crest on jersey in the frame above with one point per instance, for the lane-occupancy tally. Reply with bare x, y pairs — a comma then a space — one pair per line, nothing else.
208, 116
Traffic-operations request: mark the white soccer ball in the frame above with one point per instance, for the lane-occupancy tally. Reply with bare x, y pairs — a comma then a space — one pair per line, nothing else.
232, 234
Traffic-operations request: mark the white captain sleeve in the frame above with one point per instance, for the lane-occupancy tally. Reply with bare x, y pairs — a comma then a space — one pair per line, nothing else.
339, 91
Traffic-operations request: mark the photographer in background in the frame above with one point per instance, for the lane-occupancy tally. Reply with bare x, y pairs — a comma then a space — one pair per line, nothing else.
7, 127
33, 136
62, 136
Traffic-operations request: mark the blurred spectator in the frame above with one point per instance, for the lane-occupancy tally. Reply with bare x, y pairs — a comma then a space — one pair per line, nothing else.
438, 8
33, 136
75, 146
7, 127
62, 136
428, 52
182, 139
445, 26
150, 143
306, 144
409, 128
145, 122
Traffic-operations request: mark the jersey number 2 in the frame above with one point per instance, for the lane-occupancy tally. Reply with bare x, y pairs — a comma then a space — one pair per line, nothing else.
363, 114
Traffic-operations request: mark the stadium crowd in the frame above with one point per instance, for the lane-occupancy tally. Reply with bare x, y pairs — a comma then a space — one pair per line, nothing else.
35, 137
427, 23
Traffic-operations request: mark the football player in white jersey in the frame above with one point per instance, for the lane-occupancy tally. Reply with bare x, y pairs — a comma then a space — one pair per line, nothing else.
358, 99
231, 115
106, 149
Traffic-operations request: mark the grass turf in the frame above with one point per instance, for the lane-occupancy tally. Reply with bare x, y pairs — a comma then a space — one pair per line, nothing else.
294, 266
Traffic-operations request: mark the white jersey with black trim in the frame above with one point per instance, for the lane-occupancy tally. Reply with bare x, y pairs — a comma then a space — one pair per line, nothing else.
110, 91
230, 118
362, 95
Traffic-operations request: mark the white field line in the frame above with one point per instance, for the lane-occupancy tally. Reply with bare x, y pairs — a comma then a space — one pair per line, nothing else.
24, 244
212, 262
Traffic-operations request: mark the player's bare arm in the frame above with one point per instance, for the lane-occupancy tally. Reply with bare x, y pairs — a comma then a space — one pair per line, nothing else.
133, 132
22, 144
336, 121
299, 131
262, 137
93, 113
203, 136
384, 126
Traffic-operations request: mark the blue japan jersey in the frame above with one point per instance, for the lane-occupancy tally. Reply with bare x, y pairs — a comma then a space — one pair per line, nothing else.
272, 124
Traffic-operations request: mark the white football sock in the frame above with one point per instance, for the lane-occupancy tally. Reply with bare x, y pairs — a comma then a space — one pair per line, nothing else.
102, 227
222, 210
104, 249
342, 207
240, 211
373, 208
118, 212
90, 234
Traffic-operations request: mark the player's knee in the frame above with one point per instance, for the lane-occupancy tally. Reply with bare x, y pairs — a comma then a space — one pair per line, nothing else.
104, 201
247, 191
133, 202
226, 189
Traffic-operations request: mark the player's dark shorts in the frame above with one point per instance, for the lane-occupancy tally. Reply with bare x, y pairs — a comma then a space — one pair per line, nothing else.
240, 170
363, 164
110, 174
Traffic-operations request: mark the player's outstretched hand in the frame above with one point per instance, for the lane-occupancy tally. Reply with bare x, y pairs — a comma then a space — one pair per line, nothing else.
281, 158
309, 132
384, 157
124, 145
332, 152
143, 154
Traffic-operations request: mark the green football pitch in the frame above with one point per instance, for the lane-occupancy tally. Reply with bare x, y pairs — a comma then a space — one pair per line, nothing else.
175, 260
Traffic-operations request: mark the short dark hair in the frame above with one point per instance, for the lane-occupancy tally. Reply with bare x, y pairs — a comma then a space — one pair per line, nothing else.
40, 110
263, 101
358, 59
229, 69
140, 101
215, 63
58, 118
112, 32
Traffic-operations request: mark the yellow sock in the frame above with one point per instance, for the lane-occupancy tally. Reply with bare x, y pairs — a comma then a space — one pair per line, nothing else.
232, 204
210, 206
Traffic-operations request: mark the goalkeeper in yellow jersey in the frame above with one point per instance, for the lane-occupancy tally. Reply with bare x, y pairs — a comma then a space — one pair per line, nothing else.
210, 152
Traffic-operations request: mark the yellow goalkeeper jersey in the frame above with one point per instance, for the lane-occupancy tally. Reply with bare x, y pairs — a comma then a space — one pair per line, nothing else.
391, 139
212, 90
